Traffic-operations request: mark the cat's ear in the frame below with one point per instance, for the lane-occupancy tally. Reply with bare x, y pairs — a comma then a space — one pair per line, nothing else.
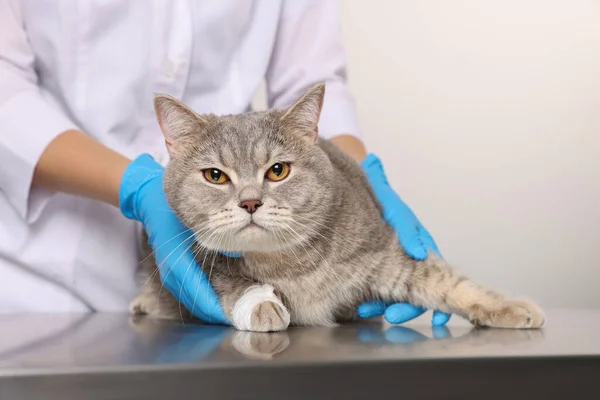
177, 122
302, 118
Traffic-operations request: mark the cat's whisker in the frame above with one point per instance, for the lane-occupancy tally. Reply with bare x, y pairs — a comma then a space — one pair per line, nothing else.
194, 255
174, 250
202, 238
214, 220
213, 260
154, 274
181, 287
171, 268
168, 241
197, 286
279, 241
166, 209
229, 235
176, 261
225, 225
159, 266
228, 267
151, 278
206, 253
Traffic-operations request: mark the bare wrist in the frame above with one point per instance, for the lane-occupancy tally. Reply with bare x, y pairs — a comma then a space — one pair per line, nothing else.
75, 163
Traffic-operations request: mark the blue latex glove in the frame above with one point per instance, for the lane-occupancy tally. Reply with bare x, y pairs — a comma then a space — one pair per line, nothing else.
141, 197
413, 237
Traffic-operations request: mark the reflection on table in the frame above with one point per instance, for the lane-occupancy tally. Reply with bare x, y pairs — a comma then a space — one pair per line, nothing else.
105, 341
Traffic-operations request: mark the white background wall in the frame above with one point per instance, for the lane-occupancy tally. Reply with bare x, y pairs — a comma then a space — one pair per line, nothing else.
487, 117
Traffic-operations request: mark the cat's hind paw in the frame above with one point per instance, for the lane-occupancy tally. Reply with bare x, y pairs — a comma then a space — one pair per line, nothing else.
159, 306
144, 303
519, 314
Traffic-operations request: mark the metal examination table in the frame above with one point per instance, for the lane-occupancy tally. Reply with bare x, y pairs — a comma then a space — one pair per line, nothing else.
110, 356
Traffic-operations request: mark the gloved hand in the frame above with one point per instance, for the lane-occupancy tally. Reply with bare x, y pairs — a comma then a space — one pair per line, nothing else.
141, 197
413, 237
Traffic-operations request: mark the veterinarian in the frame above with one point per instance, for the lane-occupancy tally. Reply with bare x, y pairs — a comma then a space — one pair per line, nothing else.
77, 124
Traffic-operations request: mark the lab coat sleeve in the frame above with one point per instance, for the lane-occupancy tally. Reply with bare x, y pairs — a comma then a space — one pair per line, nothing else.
308, 50
28, 120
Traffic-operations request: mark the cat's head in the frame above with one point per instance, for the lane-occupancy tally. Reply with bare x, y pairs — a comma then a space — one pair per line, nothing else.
250, 182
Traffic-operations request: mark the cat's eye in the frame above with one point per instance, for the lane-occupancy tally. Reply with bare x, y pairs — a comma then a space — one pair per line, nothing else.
214, 175
278, 172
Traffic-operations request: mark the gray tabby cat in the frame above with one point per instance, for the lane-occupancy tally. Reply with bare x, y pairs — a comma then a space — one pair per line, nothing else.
303, 215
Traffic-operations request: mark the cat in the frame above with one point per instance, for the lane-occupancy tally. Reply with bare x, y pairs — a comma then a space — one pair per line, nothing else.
310, 230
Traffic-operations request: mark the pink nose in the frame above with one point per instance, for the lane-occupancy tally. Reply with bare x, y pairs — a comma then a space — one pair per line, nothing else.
251, 205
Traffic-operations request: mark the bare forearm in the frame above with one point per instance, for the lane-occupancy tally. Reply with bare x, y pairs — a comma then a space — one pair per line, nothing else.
75, 163
351, 146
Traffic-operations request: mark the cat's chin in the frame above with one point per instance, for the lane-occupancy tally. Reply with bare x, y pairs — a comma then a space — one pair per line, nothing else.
265, 244
247, 240
252, 238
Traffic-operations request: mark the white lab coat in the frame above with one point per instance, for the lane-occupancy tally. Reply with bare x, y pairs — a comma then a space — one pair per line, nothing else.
94, 65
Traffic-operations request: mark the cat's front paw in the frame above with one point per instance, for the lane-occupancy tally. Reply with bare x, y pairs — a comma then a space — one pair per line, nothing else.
260, 310
519, 314
269, 317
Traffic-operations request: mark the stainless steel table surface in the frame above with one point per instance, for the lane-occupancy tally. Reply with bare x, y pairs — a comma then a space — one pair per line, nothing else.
110, 356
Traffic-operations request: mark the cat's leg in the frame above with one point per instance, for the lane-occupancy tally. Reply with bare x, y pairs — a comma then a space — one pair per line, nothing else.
251, 306
248, 305
433, 284
160, 304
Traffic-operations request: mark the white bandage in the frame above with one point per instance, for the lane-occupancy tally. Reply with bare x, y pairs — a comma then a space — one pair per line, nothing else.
253, 296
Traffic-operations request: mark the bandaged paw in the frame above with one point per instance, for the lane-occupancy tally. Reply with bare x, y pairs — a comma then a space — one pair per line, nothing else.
260, 310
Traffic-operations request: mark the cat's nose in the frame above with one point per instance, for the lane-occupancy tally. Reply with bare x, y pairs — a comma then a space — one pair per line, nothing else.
251, 205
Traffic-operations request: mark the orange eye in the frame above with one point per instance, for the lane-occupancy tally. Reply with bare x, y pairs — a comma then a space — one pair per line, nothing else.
214, 175
278, 172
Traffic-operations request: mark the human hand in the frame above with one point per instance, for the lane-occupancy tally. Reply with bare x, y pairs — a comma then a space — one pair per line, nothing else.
142, 198
413, 237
